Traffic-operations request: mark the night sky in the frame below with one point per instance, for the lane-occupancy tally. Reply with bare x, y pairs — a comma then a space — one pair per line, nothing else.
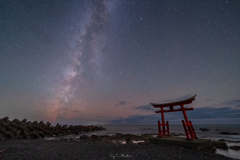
102, 62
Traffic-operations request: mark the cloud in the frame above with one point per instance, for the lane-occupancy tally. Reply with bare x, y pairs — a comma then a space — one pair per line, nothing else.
135, 119
233, 103
210, 112
141, 119
122, 103
199, 115
147, 107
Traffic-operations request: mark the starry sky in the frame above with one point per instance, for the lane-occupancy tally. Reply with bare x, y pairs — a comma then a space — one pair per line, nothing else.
103, 61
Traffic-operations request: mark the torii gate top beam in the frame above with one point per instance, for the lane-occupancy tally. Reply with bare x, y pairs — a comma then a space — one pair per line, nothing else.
177, 103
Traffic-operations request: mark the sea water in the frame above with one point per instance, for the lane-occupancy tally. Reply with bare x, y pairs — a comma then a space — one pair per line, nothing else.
213, 132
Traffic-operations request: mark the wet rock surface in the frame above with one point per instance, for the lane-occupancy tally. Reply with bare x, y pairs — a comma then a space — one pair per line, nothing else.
24, 129
220, 145
235, 147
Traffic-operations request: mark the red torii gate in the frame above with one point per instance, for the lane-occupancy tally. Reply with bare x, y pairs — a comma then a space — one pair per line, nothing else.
188, 127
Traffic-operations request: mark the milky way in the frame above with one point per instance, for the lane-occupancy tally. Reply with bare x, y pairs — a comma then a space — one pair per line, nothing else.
84, 61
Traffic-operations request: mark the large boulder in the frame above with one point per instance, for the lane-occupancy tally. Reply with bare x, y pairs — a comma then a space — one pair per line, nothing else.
220, 145
2, 136
34, 135
5, 118
24, 120
2, 129
94, 137
9, 134
128, 140
235, 147
84, 137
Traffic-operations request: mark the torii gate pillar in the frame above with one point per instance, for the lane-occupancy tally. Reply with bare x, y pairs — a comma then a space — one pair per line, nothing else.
187, 125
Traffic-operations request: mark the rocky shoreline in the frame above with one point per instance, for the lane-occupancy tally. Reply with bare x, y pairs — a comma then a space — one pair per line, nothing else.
39, 149
27, 140
118, 146
24, 129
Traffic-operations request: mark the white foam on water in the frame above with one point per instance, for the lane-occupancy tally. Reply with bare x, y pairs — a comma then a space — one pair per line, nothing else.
138, 141
124, 142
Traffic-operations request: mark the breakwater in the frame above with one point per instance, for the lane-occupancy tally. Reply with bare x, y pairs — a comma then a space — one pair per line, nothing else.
23, 129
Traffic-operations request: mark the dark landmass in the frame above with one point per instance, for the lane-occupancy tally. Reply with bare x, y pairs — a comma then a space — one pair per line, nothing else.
24, 129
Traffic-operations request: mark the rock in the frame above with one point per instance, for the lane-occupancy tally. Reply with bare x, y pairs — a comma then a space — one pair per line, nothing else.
35, 129
2, 137
5, 119
229, 133
235, 147
14, 130
176, 134
42, 134
204, 129
9, 134
25, 134
24, 120
128, 140
143, 143
35, 122
147, 135
118, 134
34, 135
16, 120
229, 141
94, 137
84, 137
2, 129
18, 133
209, 149
220, 145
